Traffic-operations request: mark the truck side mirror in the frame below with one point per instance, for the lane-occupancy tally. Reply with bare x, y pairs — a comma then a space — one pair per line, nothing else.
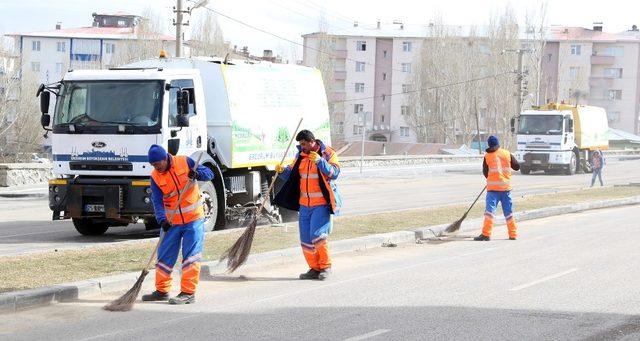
570, 125
45, 120
174, 146
45, 97
183, 102
183, 121
513, 125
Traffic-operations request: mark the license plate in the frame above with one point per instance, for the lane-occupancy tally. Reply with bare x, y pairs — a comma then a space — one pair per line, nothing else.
537, 162
94, 208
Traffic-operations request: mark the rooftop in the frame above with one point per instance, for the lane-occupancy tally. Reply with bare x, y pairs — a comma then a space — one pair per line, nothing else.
89, 32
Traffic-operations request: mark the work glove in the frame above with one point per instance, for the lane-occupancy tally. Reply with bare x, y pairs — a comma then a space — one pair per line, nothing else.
314, 157
165, 225
193, 174
279, 169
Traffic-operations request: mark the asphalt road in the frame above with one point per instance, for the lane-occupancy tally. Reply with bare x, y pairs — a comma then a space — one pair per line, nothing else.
26, 226
571, 277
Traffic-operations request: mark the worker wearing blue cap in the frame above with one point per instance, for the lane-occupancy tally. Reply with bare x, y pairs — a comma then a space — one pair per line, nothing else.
496, 167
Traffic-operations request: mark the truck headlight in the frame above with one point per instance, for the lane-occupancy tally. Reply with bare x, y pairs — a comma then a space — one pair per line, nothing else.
55, 189
56, 198
147, 200
147, 190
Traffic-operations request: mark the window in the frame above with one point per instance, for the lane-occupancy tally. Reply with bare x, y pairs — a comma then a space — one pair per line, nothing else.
185, 84
61, 46
613, 116
35, 45
406, 46
359, 66
404, 110
357, 130
384, 54
613, 95
59, 68
384, 76
358, 108
359, 87
339, 126
121, 23
615, 51
574, 71
382, 119
576, 50
361, 45
404, 131
384, 97
613, 72
549, 57
406, 88
110, 48
35, 66
406, 67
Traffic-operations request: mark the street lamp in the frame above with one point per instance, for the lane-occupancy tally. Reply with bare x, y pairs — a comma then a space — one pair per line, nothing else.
364, 132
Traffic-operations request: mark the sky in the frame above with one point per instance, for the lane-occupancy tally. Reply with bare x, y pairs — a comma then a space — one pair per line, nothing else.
292, 18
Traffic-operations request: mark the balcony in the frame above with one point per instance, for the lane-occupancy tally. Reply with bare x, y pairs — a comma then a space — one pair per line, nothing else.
341, 54
602, 60
601, 82
338, 96
340, 75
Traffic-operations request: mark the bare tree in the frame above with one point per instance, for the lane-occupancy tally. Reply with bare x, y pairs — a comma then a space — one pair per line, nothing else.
207, 38
325, 48
147, 42
535, 40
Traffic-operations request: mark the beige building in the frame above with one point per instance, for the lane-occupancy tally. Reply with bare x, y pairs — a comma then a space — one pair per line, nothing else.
589, 66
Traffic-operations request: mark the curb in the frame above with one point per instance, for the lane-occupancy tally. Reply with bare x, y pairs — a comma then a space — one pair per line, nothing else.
11, 302
23, 195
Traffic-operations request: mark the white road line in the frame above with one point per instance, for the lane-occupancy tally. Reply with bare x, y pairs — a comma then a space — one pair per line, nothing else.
544, 279
368, 335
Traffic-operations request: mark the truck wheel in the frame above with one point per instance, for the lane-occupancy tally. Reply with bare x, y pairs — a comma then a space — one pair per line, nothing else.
525, 170
151, 224
571, 169
87, 227
210, 203
288, 216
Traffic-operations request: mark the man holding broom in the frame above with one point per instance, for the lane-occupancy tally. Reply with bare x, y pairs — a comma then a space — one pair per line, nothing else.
310, 188
172, 180
496, 167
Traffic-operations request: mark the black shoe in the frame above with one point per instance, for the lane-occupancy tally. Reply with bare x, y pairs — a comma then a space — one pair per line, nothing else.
311, 274
512, 238
482, 237
156, 296
183, 298
324, 274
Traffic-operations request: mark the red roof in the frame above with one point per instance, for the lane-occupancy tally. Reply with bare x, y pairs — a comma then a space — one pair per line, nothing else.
90, 32
581, 33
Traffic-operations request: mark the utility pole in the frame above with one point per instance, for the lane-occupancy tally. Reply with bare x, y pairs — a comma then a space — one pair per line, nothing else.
178, 23
364, 132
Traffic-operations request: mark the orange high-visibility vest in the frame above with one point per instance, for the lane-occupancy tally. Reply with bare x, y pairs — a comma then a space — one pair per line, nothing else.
312, 181
499, 177
173, 181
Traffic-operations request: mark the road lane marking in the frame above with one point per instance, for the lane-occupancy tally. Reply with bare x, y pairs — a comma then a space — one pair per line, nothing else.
368, 335
544, 279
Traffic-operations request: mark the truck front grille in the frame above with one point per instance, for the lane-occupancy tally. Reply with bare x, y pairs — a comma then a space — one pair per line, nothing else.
126, 166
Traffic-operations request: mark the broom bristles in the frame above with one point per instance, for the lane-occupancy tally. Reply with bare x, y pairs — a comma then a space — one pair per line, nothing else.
456, 225
238, 253
126, 301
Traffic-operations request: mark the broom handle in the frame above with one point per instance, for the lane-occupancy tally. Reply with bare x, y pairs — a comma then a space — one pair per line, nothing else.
475, 201
273, 181
189, 185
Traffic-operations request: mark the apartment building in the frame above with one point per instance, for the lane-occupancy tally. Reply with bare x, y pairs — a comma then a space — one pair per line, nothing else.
371, 70
45, 56
589, 66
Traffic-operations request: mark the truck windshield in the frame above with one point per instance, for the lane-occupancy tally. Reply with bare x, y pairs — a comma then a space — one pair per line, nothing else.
540, 125
96, 105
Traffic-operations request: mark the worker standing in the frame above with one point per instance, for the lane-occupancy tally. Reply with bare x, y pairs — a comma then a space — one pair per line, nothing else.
496, 167
311, 190
170, 181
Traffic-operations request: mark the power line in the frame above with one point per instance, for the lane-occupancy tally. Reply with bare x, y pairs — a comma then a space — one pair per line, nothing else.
283, 38
427, 88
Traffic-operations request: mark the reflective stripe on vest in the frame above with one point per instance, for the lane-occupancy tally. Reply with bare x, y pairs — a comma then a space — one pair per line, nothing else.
499, 164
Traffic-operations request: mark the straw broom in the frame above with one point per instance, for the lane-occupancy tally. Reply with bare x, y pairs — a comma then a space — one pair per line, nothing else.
238, 253
456, 225
126, 301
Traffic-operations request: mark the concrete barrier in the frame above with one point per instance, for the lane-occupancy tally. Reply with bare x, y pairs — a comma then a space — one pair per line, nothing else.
16, 174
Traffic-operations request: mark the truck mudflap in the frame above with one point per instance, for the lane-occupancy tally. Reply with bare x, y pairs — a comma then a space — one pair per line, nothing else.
112, 199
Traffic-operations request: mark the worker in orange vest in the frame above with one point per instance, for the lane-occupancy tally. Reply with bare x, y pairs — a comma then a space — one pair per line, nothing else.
170, 180
311, 190
496, 167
